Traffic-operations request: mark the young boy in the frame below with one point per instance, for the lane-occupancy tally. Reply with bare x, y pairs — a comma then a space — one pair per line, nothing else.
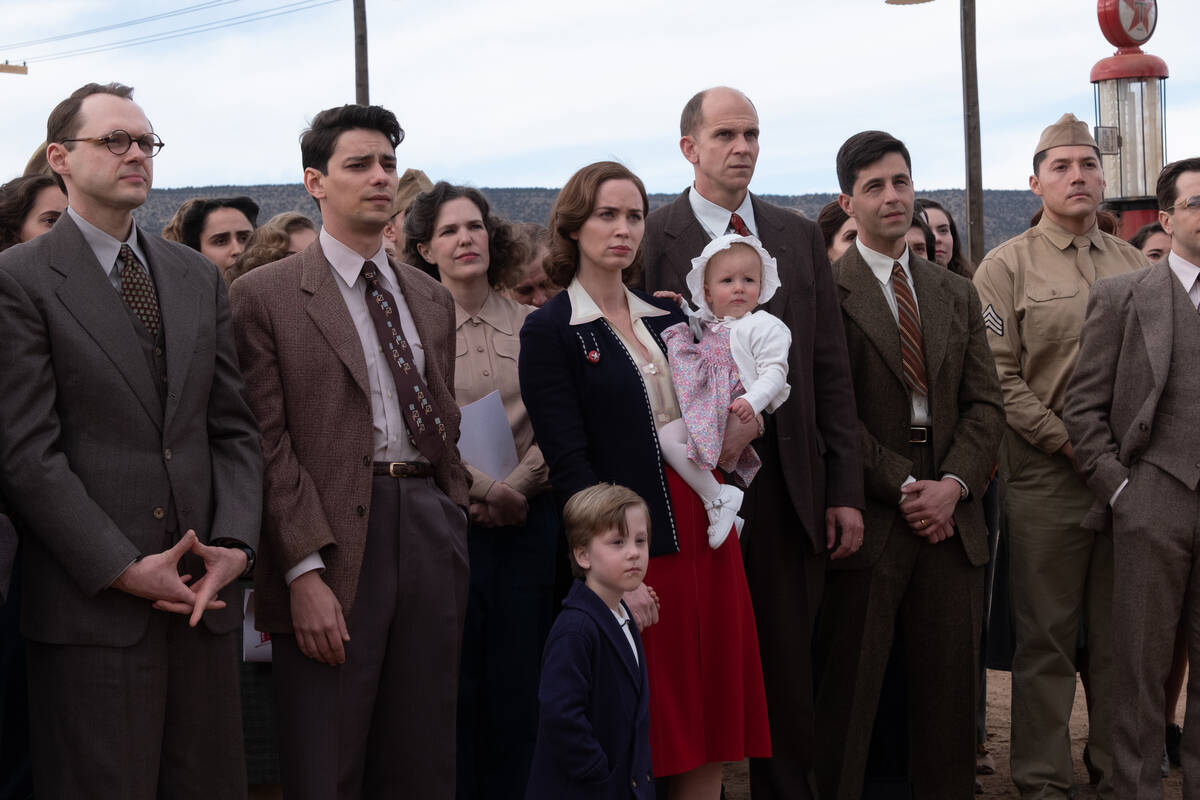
594, 721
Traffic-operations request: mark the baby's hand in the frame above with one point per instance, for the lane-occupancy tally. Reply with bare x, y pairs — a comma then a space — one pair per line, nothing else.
674, 297
742, 409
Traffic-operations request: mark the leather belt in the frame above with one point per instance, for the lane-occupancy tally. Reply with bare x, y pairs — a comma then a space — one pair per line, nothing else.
403, 469
920, 435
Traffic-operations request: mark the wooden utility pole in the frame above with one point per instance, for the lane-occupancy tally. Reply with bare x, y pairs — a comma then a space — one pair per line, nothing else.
16, 69
973, 201
361, 93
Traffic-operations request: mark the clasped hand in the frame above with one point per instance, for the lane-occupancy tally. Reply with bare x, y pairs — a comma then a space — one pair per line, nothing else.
928, 508
156, 577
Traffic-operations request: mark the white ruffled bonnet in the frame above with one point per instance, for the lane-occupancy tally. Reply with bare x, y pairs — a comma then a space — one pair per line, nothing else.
695, 278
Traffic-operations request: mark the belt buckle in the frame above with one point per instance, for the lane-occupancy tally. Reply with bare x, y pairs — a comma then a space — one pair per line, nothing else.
918, 435
399, 469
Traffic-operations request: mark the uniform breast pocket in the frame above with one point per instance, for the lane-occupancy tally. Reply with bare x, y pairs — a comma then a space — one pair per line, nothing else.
1055, 310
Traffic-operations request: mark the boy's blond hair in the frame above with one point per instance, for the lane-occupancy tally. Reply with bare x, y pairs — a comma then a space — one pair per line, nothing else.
592, 511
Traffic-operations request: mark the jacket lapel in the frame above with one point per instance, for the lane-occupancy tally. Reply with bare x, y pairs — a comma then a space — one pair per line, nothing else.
864, 303
1154, 306
328, 312
771, 230
928, 283
90, 298
428, 317
590, 603
179, 307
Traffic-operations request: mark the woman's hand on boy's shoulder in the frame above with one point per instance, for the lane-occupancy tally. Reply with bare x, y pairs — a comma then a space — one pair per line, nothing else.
643, 604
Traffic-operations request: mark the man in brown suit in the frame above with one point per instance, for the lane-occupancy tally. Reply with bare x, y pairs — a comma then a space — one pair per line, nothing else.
805, 504
1131, 412
363, 580
930, 422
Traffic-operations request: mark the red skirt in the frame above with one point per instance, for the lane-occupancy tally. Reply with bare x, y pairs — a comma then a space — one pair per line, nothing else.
706, 689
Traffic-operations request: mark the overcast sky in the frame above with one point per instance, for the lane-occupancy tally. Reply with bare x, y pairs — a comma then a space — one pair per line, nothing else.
524, 92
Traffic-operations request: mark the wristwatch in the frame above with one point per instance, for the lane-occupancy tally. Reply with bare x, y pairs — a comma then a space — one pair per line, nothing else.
245, 548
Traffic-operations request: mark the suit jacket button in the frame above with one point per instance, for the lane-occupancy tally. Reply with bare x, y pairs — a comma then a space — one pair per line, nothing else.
634, 784
167, 454
159, 513
362, 511
1143, 427
366, 461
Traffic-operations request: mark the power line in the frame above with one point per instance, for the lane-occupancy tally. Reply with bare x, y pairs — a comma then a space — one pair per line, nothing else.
115, 25
228, 22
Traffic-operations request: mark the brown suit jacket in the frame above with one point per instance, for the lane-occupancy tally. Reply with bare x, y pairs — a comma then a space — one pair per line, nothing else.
307, 382
1124, 359
818, 441
964, 396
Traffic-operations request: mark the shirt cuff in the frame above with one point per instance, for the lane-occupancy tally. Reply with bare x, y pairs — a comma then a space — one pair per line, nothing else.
966, 491
307, 564
907, 481
1113, 499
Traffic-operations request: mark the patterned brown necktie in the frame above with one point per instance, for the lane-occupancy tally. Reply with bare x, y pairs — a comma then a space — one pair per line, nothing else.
738, 225
138, 289
425, 424
912, 354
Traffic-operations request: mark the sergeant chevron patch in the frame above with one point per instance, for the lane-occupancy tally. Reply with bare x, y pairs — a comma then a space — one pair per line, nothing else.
993, 321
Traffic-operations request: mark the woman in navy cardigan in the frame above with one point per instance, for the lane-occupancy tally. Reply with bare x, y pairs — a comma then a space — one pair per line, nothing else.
596, 382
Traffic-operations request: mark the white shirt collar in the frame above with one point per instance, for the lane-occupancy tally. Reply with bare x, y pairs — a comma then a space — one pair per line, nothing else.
104, 245
348, 264
1184, 270
584, 308
881, 265
715, 219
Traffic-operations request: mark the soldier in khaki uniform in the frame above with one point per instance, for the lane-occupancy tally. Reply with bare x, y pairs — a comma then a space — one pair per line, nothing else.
1034, 289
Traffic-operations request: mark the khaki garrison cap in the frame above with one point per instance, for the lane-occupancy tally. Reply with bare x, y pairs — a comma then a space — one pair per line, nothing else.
1069, 130
412, 183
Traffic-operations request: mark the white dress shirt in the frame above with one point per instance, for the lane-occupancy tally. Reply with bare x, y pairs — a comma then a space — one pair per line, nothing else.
623, 620
715, 219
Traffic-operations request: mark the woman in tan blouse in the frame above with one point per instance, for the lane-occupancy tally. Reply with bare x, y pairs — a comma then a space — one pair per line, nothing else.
514, 530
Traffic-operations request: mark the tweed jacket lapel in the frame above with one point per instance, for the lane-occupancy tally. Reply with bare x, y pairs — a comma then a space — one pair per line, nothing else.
429, 318
90, 298
929, 282
328, 312
1153, 304
772, 234
179, 309
864, 303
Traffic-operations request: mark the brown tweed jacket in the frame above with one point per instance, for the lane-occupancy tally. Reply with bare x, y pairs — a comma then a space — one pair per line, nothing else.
307, 383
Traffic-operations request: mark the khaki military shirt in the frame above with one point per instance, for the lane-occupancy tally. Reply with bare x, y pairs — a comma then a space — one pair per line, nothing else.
1034, 300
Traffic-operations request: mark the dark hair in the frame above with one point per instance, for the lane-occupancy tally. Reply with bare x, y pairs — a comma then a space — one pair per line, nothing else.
266, 245
1039, 157
192, 223
319, 141
1106, 221
958, 262
1138, 239
16, 202
63, 122
862, 150
594, 510
1167, 190
506, 253
830, 221
573, 206
918, 222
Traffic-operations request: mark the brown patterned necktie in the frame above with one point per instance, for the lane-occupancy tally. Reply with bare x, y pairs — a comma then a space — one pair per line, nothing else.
425, 425
138, 289
912, 353
738, 225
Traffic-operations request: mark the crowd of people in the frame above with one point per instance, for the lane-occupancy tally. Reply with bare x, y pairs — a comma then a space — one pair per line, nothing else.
761, 469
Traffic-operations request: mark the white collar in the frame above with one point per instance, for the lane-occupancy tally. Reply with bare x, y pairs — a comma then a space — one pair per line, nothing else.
1184, 270
881, 265
348, 264
584, 308
715, 219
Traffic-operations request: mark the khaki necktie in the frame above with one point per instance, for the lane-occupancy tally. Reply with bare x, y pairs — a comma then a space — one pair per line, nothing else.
1083, 259
912, 353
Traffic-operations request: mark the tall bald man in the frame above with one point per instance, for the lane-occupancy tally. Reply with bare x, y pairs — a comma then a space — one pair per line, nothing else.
132, 461
806, 503
1035, 289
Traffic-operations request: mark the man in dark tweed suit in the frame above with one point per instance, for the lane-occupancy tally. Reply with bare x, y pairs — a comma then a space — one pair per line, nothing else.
930, 420
804, 506
349, 363
1131, 412
131, 461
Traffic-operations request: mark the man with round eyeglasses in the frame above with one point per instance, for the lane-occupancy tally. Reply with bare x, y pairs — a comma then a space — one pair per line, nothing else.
132, 464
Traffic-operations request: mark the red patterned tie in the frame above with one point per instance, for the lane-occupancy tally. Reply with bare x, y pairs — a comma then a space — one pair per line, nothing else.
912, 354
425, 424
138, 289
738, 225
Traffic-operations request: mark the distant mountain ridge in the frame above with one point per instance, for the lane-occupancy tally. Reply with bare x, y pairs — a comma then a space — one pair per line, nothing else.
1007, 212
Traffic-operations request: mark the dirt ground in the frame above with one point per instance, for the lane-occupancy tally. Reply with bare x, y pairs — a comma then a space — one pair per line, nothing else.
999, 785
